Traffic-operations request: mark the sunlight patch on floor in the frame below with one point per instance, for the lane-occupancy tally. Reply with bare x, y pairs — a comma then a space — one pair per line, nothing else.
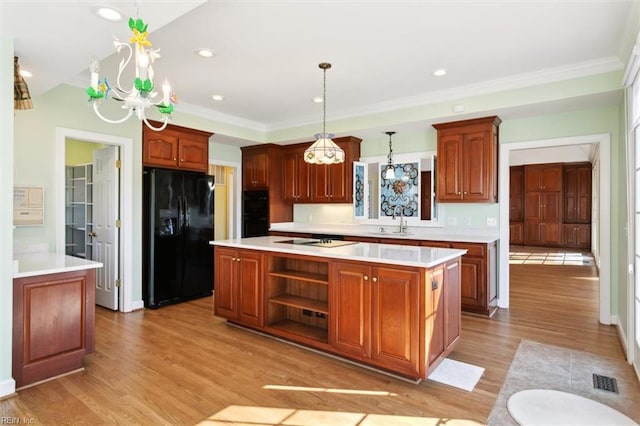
329, 390
263, 416
524, 257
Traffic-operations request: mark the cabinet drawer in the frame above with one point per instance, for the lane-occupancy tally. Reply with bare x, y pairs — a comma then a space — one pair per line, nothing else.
473, 250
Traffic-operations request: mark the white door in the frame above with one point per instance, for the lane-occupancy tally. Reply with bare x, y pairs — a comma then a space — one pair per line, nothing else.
105, 231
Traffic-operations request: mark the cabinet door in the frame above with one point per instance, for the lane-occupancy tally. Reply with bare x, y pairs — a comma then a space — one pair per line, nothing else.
551, 205
320, 186
395, 321
533, 202
160, 149
516, 193
475, 170
449, 171
452, 303
551, 233
350, 316
250, 288
473, 283
255, 169
552, 178
516, 233
193, 154
295, 177
533, 232
225, 276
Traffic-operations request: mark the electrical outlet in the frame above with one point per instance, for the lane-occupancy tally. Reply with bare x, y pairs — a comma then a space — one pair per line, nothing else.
492, 221
307, 312
452, 221
467, 221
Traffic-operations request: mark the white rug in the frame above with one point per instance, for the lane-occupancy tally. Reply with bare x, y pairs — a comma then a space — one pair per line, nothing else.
546, 407
458, 374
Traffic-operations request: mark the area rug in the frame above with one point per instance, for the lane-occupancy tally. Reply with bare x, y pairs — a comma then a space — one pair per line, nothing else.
546, 407
458, 374
539, 366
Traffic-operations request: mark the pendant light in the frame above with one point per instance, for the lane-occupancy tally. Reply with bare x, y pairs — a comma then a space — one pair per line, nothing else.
389, 171
324, 150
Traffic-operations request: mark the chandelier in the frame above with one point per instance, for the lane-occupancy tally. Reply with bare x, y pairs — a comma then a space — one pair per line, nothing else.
142, 93
389, 171
324, 150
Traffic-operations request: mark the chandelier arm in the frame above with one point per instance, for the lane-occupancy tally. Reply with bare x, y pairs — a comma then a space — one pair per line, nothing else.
165, 121
97, 111
123, 64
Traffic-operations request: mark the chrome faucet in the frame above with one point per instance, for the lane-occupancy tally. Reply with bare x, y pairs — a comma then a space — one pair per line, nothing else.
403, 224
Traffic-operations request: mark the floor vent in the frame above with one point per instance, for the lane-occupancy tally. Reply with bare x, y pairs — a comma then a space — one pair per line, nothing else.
605, 383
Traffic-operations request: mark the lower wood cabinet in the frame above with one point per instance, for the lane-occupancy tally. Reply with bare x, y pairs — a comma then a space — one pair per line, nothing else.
516, 233
375, 316
576, 235
478, 285
400, 319
53, 324
238, 278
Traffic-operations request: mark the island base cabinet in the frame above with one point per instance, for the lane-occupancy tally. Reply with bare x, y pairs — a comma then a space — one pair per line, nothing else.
53, 324
445, 324
377, 318
238, 280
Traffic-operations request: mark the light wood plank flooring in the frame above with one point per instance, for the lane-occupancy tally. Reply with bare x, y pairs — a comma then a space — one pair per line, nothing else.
182, 365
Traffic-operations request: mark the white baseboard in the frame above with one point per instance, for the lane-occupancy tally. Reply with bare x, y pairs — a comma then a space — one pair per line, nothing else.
7, 387
615, 320
138, 304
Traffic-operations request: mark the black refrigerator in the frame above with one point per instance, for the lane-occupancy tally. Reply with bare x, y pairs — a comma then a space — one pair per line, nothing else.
178, 211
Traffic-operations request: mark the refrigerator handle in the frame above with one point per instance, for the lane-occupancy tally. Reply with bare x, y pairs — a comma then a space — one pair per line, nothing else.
180, 215
185, 212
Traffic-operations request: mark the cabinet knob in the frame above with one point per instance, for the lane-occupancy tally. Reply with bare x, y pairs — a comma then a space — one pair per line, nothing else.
374, 279
465, 192
174, 158
182, 159
237, 259
366, 278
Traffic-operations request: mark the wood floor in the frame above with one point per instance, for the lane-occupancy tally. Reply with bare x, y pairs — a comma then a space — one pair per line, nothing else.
181, 365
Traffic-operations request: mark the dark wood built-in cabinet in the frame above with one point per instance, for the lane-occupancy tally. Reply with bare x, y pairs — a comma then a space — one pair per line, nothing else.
296, 175
556, 209
176, 147
468, 161
516, 205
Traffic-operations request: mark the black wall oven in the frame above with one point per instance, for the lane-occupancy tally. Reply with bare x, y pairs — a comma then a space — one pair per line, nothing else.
255, 213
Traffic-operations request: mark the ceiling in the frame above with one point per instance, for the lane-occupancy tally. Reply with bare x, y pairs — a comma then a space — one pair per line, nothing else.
383, 52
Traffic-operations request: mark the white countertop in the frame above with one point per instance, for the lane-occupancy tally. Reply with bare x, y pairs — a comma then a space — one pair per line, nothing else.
462, 235
44, 263
393, 254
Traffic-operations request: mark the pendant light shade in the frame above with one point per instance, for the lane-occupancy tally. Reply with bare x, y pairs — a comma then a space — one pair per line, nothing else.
389, 171
324, 150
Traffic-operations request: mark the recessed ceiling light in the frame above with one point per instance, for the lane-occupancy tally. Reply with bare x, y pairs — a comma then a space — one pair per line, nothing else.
25, 73
440, 72
217, 97
317, 99
205, 53
109, 13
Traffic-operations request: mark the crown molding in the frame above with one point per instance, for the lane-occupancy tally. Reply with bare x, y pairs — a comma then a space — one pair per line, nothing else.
537, 78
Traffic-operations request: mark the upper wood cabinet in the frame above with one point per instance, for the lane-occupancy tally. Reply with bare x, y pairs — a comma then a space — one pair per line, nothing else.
258, 164
468, 161
319, 183
296, 185
176, 147
543, 178
334, 183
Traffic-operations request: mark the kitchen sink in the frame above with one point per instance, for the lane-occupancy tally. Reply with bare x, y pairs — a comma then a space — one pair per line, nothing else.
318, 243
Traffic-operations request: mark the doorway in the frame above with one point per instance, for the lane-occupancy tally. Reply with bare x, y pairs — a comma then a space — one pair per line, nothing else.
600, 221
124, 201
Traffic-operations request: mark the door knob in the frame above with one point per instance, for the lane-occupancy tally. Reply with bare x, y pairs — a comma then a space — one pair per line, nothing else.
92, 234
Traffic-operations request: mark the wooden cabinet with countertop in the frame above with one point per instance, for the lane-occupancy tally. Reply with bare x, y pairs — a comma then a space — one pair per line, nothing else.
380, 314
176, 147
468, 161
53, 316
238, 285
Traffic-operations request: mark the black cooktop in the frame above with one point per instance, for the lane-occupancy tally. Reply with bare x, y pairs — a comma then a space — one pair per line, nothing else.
324, 242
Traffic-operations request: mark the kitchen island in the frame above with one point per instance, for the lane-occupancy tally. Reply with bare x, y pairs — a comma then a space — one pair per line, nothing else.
391, 307
53, 315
